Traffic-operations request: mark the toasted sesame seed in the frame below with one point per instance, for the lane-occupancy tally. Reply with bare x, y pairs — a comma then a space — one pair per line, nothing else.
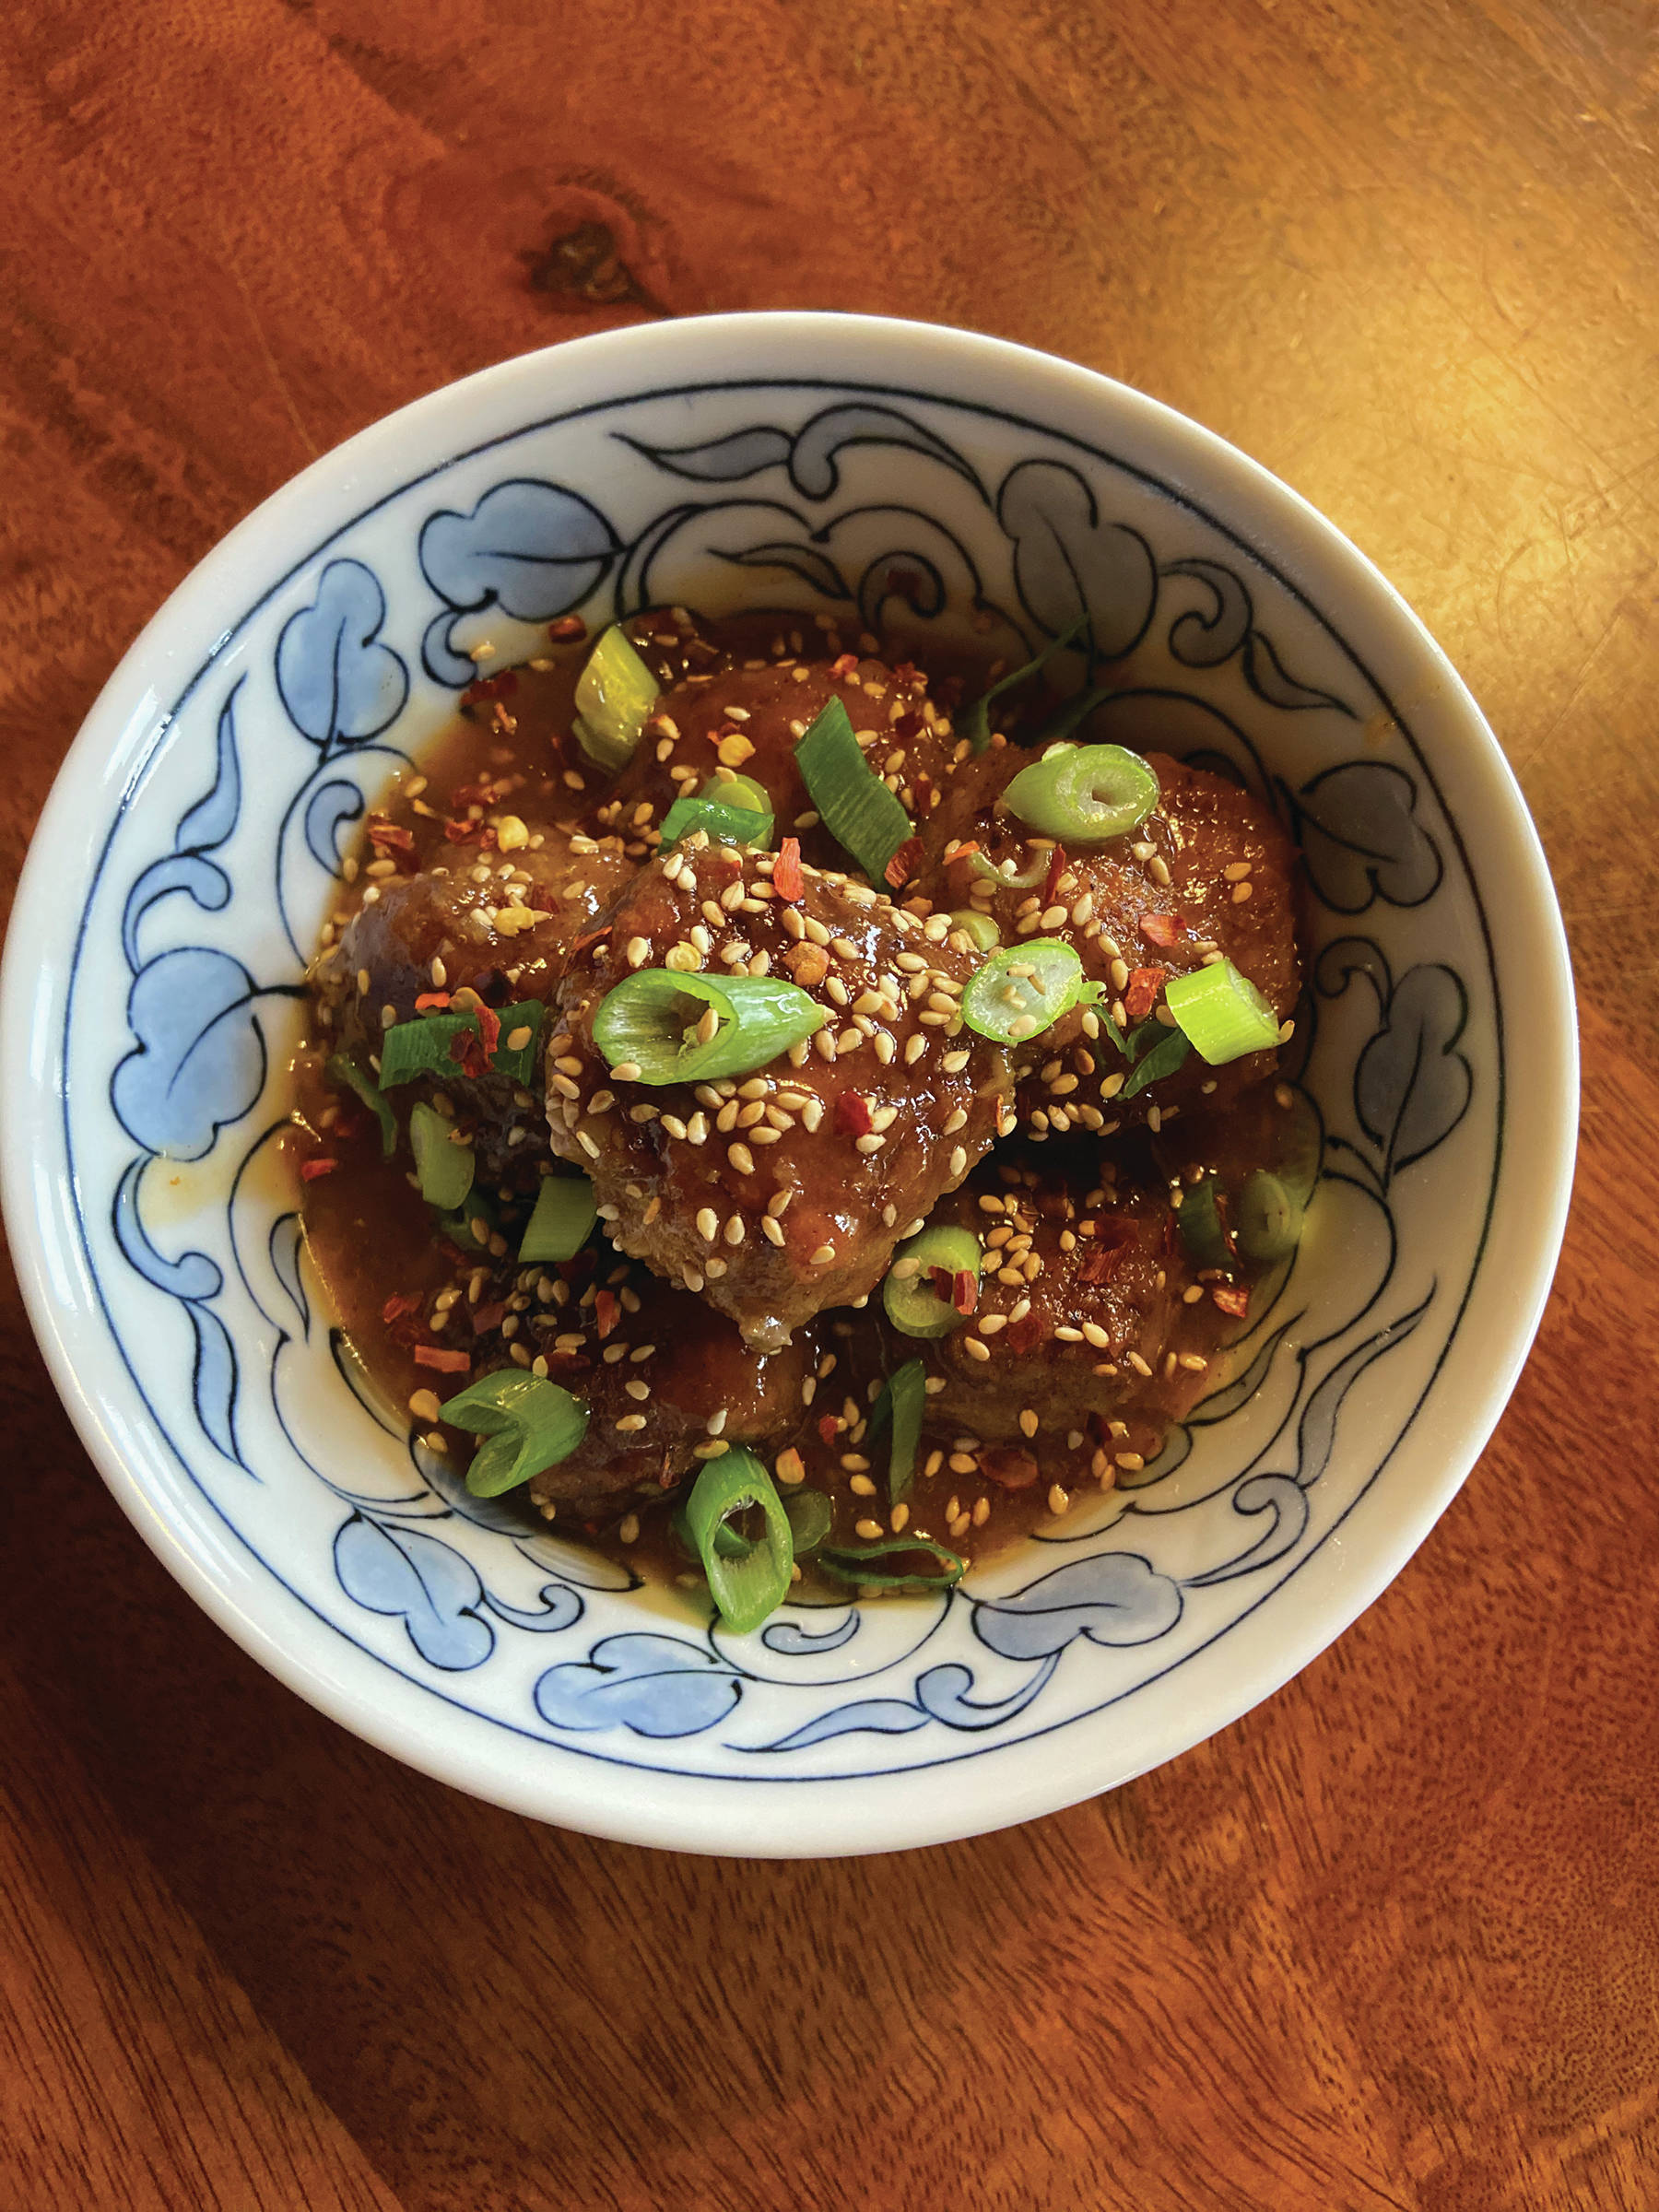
630, 1421
424, 1404
963, 1462
1028, 1422
990, 1324
868, 1530
742, 1158
822, 1256
1058, 1500
861, 1484
1139, 1365
899, 1519
975, 1349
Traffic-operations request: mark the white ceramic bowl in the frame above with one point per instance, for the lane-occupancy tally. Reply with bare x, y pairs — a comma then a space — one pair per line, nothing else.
186, 861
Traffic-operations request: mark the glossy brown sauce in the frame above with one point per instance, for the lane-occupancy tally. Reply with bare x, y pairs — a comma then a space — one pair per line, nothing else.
371, 1240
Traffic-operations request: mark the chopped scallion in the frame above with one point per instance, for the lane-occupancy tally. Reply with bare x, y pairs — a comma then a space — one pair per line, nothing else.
1084, 793
735, 1024
973, 721
854, 1566
1023, 990
562, 1220
1268, 1219
345, 1072
445, 1169
906, 1393
422, 1047
614, 693
811, 1517
528, 1423
730, 789
750, 1588
1222, 1012
1158, 1061
980, 929
1007, 878
853, 803
514, 1055
725, 825
908, 1294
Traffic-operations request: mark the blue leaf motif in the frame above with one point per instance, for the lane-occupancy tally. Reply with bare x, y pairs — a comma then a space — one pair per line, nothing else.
1206, 641
1068, 562
204, 880
804, 561
1412, 1086
285, 1244
214, 1378
942, 1691
1116, 1598
792, 1641
192, 1276
721, 460
1284, 1498
1361, 840
427, 1584
868, 1716
332, 807
652, 1686
201, 1058
339, 687
560, 1609
534, 549
210, 821
812, 464
1316, 1430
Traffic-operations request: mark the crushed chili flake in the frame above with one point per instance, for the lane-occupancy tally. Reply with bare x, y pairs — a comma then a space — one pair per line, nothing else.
1232, 1299
471, 833
1016, 1470
1141, 996
400, 1303
566, 628
1024, 1335
485, 1318
605, 1312
846, 665
1161, 929
489, 1027
591, 937
1058, 864
468, 1052
426, 1000
852, 1117
908, 725
904, 863
312, 1169
446, 1363
964, 1290
829, 1427
787, 880
489, 686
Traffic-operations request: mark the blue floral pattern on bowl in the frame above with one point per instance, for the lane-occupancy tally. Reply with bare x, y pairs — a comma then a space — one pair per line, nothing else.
871, 507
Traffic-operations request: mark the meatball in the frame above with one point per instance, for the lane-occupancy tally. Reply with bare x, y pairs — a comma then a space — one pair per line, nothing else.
498, 929
746, 716
1209, 872
667, 1383
784, 1192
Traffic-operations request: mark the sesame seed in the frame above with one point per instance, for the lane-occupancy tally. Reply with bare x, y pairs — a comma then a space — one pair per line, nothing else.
822, 1256
1029, 1423
963, 1462
990, 1324
789, 1467
424, 1404
975, 1349
868, 1530
1139, 1365
898, 1518
742, 1158
630, 1421
861, 1486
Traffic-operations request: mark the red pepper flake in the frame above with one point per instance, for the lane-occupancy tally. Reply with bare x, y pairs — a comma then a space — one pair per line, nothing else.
852, 1117
325, 1165
907, 672
431, 998
400, 1303
964, 1290
1141, 996
1232, 1301
787, 880
467, 1053
591, 937
904, 863
829, 1427
908, 725
605, 1311
1025, 1336
390, 834
1161, 929
567, 628
846, 665
1016, 1470
471, 833
489, 686
489, 1027
1058, 864
485, 1318
446, 1363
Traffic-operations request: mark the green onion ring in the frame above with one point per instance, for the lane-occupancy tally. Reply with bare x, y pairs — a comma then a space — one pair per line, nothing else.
641, 1021
1222, 1012
1007, 1006
907, 1293
528, 1423
1084, 793
852, 801
750, 1588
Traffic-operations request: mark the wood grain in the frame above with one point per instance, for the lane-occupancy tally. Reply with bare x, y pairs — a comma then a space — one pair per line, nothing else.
1391, 1941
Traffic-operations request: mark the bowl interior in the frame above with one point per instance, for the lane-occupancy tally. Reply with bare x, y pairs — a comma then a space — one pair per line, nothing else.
939, 487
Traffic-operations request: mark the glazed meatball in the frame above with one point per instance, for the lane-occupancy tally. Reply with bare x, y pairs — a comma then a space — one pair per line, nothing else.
783, 1192
1209, 872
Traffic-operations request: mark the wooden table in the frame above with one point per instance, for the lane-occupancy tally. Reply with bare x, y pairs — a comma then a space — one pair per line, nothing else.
1393, 1939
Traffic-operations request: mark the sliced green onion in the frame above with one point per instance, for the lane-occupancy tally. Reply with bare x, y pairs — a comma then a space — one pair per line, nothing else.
851, 1566
563, 1221
731, 825
1163, 1059
1268, 1219
1222, 1012
853, 804
1084, 793
1203, 1230
517, 1061
811, 1517
979, 928
750, 1588
458, 1227
642, 1021
1023, 990
912, 1304
973, 721
906, 1391
614, 692
422, 1047
345, 1073
733, 790
1005, 877
445, 1169
526, 1422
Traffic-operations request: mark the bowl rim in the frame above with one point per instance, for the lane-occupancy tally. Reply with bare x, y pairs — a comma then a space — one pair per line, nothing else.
394, 1711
